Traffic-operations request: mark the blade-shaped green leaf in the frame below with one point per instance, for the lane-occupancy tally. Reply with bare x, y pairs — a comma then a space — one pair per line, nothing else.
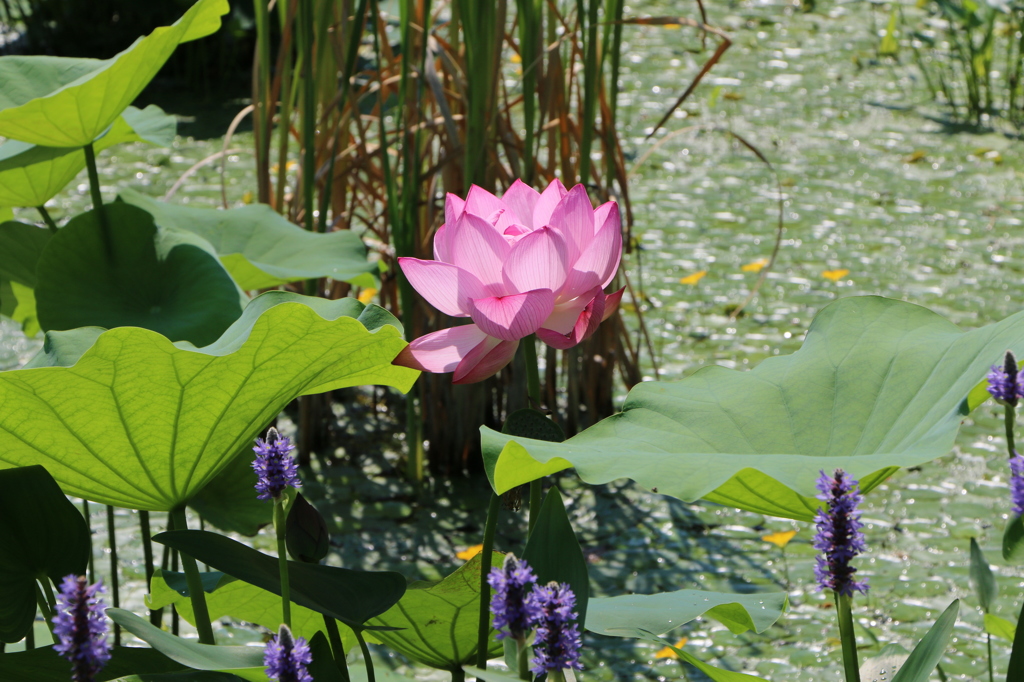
878, 384
353, 597
31, 175
65, 102
982, 580
1000, 627
241, 601
628, 615
41, 534
928, 652
136, 421
185, 676
46, 665
259, 246
323, 668
439, 620
244, 661
713, 673
169, 282
227, 502
554, 552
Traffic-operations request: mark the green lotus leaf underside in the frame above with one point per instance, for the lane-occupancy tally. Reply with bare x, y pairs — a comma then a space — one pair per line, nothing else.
69, 102
125, 417
878, 384
260, 247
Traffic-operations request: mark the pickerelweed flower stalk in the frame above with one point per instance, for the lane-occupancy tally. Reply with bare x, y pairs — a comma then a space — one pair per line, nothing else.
1006, 383
557, 646
80, 627
513, 615
1017, 483
274, 465
839, 535
286, 657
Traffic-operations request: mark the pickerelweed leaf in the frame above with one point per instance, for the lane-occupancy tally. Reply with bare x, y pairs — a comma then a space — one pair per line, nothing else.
1000, 627
878, 384
167, 281
928, 652
353, 597
227, 502
554, 552
31, 175
982, 580
244, 661
67, 102
46, 665
633, 614
42, 535
713, 673
322, 668
239, 600
136, 421
184, 676
1013, 536
259, 246
439, 620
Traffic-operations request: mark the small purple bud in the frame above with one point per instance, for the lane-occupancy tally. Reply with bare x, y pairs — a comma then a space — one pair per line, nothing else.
1017, 483
286, 657
274, 465
1006, 383
80, 627
557, 646
839, 534
510, 583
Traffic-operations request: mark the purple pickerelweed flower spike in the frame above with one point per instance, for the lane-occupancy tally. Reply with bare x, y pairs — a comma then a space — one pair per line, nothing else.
80, 627
512, 614
274, 465
1006, 383
1017, 483
557, 646
286, 657
839, 534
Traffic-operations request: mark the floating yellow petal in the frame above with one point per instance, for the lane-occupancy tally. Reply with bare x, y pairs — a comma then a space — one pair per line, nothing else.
694, 278
470, 552
756, 266
780, 539
516, 59
673, 26
366, 295
667, 652
835, 275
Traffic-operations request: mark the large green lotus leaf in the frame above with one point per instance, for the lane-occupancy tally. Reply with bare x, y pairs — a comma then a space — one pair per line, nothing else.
353, 597
878, 384
42, 535
46, 665
66, 102
136, 421
20, 248
261, 248
242, 601
244, 661
31, 175
439, 620
166, 281
632, 614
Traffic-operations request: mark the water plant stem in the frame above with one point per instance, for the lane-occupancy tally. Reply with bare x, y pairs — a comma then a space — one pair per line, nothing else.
844, 611
486, 554
88, 525
156, 616
44, 607
337, 647
47, 218
1010, 417
97, 197
370, 677
195, 584
988, 642
280, 525
114, 587
523, 660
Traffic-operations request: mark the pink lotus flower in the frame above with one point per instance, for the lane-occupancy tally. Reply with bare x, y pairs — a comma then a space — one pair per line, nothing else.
527, 263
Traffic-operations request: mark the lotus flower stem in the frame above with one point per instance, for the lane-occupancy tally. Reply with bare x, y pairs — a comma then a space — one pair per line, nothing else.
370, 677
47, 218
337, 647
280, 526
846, 635
156, 616
533, 394
114, 591
486, 554
195, 584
